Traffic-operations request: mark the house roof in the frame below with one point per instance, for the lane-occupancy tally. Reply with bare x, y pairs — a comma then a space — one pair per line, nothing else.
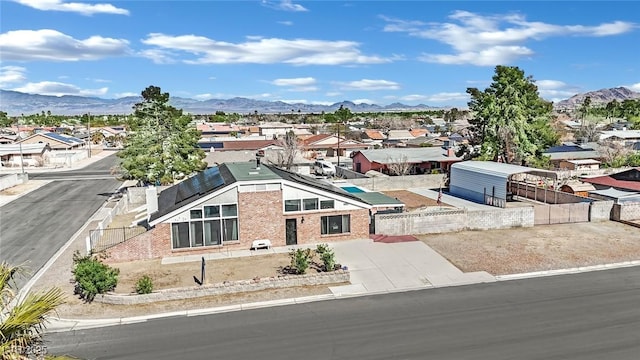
14, 149
583, 162
399, 135
410, 155
418, 132
248, 144
574, 155
621, 134
218, 177
566, 148
629, 179
66, 139
580, 186
614, 193
315, 138
378, 199
498, 169
374, 134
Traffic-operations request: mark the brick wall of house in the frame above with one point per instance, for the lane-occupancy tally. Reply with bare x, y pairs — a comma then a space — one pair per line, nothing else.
260, 217
152, 244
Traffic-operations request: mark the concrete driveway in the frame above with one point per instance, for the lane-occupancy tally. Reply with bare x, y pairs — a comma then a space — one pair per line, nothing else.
384, 267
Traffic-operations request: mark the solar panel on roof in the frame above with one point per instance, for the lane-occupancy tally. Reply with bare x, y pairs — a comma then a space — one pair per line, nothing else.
201, 183
58, 137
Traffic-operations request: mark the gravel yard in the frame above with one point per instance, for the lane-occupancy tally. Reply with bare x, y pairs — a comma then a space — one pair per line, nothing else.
546, 247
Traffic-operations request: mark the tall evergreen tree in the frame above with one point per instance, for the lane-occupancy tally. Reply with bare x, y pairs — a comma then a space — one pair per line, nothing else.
510, 122
163, 145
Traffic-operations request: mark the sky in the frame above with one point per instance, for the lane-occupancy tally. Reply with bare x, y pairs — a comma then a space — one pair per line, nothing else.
315, 52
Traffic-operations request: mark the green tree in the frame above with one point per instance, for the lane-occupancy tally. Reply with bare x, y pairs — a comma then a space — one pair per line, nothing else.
23, 321
509, 119
164, 143
5, 121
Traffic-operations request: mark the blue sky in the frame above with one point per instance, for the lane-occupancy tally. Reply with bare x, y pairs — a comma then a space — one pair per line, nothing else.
322, 52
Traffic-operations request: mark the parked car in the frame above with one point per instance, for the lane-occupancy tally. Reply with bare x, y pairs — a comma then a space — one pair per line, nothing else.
324, 168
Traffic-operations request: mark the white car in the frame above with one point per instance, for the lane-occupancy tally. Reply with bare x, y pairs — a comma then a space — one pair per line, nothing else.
324, 168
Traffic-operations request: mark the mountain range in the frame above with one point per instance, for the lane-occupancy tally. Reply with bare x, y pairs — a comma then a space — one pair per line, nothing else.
16, 103
598, 97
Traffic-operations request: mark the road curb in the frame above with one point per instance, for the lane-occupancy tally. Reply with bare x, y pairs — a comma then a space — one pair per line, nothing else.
575, 270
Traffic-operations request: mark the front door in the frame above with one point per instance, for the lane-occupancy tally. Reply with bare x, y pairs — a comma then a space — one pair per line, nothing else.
292, 231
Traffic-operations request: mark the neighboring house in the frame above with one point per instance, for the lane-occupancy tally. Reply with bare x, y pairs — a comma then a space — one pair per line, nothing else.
31, 154
561, 154
330, 144
56, 141
397, 138
628, 180
622, 137
571, 124
415, 160
275, 129
242, 150
235, 204
618, 196
8, 139
581, 164
218, 129
112, 131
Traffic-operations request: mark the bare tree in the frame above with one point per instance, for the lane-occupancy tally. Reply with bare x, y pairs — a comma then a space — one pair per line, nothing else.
588, 131
290, 149
399, 166
613, 153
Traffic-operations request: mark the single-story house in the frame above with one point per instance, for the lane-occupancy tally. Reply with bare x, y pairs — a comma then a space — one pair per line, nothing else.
8, 138
565, 152
577, 188
14, 155
331, 145
628, 180
416, 160
235, 204
623, 137
579, 164
56, 141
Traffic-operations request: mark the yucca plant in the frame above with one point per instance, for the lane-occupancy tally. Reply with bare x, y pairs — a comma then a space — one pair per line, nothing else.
23, 320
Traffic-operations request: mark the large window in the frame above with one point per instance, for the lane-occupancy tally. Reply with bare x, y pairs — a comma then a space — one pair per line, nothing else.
309, 204
211, 225
338, 224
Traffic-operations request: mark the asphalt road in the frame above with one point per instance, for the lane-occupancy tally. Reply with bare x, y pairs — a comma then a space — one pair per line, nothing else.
34, 226
584, 316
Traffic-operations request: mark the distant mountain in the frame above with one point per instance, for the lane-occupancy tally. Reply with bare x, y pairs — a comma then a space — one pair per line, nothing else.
16, 103
601, 96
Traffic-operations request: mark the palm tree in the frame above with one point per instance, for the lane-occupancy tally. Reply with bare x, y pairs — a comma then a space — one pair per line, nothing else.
23, 320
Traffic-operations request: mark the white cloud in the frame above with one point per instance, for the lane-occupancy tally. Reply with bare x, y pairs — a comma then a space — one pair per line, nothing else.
12, 75
370, 85
159, 56
125, 94
555, 90
98, 80
363, 101
259, 51
333, 93
294, 101
286, 23
211, 77
294, 81
437, 98
46, 44
204, 96
496, 39
284, 5
58, 89
634, 87
81, 8
318, 102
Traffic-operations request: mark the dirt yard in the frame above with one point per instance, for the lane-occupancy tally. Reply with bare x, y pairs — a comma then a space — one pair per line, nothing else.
519, 250
182, 274
412, 201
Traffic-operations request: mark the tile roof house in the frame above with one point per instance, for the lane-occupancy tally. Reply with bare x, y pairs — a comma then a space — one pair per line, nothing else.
625, 180
420, 160
329, 144
235, 204
14, 155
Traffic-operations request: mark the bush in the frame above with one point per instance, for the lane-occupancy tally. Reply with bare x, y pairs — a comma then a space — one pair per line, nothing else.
144, 285
327, 257
300, 260
93, 277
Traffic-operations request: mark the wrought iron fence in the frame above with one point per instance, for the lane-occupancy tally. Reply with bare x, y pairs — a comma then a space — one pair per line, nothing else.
103, 239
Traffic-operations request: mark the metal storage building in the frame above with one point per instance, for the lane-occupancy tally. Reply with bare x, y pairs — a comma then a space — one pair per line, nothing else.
487, 182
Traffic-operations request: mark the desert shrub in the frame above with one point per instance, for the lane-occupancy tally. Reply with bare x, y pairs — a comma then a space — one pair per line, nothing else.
144, 285
300, 260
92, 276
327, 257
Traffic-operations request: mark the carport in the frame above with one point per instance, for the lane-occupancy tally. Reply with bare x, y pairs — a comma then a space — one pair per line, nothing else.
493, 183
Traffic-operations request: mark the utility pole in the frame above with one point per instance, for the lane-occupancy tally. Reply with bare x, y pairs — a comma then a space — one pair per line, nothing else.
20, 145
89, 129
338, 144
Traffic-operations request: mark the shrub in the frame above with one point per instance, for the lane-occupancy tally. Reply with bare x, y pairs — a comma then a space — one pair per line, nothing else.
93, 277
300, 260
144, 285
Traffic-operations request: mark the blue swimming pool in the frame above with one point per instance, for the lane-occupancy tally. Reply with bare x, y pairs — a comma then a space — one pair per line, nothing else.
352, 189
